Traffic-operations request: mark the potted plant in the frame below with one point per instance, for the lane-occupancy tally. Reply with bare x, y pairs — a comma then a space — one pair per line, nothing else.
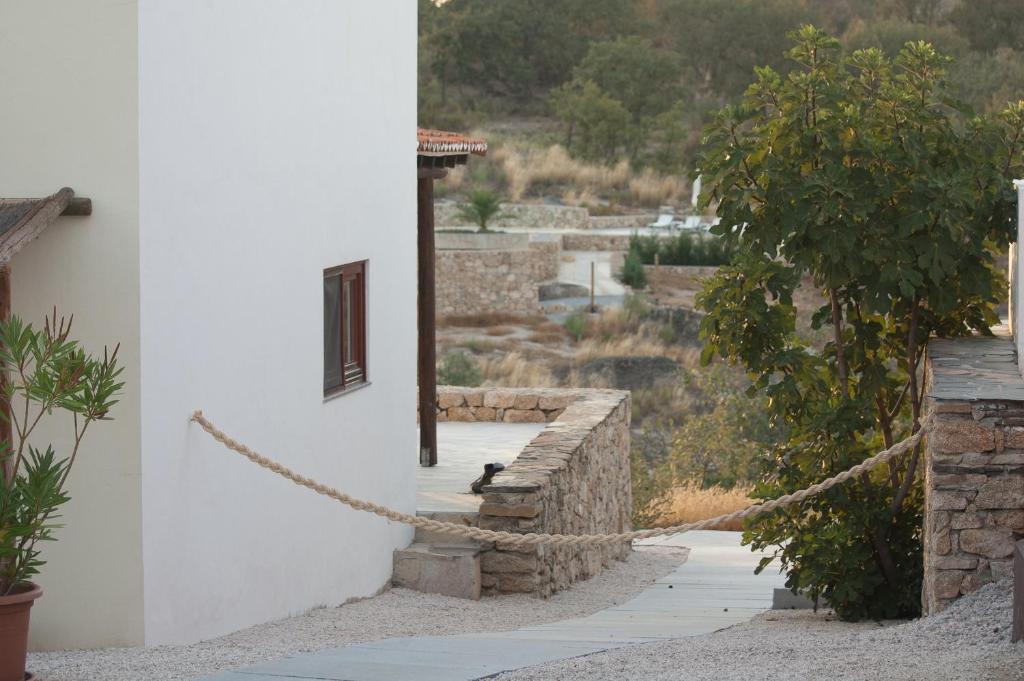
47, 377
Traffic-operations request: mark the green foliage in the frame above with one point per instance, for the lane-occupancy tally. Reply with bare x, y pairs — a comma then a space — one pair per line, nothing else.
597, 126
576, 325
682, 249
724, 434
890, 35
633, 274
483, 207
865, 175
49, 376
990, 24
459, 368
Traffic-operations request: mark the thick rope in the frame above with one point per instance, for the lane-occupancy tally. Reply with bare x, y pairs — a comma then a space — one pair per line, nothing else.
520, 540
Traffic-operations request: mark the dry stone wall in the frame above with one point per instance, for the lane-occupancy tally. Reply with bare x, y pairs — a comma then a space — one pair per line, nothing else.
572, 478
532, 216
974, 467
475, 281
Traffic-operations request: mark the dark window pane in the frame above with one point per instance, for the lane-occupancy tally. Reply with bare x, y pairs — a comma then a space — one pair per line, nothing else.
332, 333
346, 321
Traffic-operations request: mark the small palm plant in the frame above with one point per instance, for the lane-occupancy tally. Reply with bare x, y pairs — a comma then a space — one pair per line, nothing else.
48, 375
483, 207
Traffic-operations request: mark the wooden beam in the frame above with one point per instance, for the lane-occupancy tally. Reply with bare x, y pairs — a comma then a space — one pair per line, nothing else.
427, 355
6, 426
80, 206
32, 224
433, 173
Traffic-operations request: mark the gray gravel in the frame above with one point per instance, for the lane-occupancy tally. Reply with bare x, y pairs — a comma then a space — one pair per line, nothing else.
395, 613
969, 642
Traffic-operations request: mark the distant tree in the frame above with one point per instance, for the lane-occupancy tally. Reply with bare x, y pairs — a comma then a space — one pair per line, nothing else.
597, 126
483, 207
721, 41
990, 24
861, 175
891, 35
669, 140
647, 80
914, 11
989, 81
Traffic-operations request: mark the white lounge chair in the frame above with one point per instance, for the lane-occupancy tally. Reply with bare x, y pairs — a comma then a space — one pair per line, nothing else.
664, 221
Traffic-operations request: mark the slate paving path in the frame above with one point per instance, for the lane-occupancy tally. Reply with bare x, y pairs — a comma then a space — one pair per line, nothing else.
715, 588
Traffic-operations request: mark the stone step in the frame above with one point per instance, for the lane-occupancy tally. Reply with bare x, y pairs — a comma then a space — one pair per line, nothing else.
442, 539
452, 570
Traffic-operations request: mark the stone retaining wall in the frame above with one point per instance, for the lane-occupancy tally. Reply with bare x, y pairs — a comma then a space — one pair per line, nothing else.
473, 277
533, 216
619, 221
974, 467
595, 242
572, 478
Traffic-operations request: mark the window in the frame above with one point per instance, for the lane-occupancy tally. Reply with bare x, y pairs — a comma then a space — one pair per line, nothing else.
344, 327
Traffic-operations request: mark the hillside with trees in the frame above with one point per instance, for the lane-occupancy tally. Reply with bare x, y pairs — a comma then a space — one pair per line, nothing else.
575, 86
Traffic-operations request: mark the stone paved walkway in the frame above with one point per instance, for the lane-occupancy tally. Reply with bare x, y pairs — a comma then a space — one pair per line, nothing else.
715, 588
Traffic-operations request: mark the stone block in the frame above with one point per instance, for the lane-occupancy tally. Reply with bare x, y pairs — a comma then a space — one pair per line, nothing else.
474, 398
958, 481
1014, 438
953, 436
499, 399
448, 399
947, 501
525, 402
1001, 492
518, 584
1001, 569
946, 583
554, 402
509, 510
524, 416
954, 563
450, 573
1011, 519
973, 582
485, 414
966, 521
462, 414
951, 407
997, 543
1008, 458
502, 562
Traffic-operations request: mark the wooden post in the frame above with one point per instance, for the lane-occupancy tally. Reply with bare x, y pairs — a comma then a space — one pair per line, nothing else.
427, 319
6, 427
593, 308
1017, 632
657, 272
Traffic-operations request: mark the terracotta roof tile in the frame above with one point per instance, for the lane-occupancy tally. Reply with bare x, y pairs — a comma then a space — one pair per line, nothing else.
440, 143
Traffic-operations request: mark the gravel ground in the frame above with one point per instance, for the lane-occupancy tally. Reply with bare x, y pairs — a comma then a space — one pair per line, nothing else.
394, 613
968, 642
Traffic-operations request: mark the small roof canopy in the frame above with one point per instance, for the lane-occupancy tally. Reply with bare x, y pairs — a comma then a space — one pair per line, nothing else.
22, 220
440, 149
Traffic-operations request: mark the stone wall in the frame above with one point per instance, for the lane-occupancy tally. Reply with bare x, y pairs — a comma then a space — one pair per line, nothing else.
595, 242
572, 478
620, 221
974, 467
532, 216
474, 281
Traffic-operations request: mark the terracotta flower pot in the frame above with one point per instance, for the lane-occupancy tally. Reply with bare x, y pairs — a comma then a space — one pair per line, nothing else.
14, 613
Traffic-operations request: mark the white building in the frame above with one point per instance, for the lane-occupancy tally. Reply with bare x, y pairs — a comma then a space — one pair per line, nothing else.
236, 152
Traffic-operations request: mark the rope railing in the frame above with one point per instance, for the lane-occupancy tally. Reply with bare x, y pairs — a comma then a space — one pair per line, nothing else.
535, 539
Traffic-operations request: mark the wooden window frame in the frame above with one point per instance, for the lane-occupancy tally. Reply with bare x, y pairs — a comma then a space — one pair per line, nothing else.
354, 373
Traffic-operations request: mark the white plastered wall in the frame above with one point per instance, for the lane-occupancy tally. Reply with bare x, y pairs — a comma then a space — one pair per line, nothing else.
69, 117
276, 140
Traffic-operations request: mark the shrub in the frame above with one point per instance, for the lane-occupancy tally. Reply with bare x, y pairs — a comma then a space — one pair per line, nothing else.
633, 274
459, 368
50, 375
576, 325
682, 249
483, 207
796, 171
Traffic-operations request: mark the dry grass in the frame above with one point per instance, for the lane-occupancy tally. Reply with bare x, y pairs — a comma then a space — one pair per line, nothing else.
515, 370
491, 319
552, 337
500, 330
649, 189
689, 503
